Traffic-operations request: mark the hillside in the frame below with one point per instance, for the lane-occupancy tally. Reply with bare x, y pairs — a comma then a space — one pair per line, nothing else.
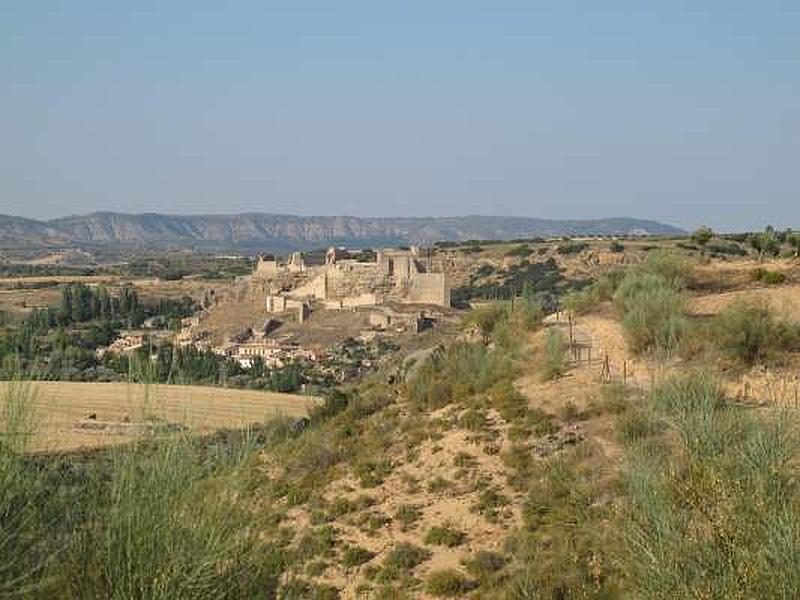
286, 232
18, 231
639, 443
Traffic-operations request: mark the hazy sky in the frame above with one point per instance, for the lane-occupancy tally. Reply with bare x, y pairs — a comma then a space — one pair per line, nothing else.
683, 111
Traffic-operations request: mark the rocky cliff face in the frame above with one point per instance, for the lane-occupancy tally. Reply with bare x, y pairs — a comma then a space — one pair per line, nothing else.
284, 232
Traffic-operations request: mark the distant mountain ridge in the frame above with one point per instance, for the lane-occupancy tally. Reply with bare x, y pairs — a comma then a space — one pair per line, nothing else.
285, 232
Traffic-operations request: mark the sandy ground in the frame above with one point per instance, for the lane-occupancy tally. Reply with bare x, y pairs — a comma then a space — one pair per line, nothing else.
603, 333
451, 507
59, 406
434, 458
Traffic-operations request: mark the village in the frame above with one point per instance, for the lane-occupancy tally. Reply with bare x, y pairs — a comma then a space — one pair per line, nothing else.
312, 309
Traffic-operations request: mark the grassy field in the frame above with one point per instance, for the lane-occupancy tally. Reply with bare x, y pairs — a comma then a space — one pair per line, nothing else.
61, 406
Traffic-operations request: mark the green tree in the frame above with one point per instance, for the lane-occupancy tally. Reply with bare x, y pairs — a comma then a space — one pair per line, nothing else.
702, 235
766, 243
66, 302
793, 239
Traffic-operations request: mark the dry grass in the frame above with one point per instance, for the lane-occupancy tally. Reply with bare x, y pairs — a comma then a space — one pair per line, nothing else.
60, 406
785, 299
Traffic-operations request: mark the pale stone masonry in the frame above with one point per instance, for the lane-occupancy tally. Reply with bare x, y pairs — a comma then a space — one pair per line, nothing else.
399, 275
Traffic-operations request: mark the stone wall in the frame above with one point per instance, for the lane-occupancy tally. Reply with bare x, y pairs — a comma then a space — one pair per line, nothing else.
365, 299
429, 288
265, 268
396, 274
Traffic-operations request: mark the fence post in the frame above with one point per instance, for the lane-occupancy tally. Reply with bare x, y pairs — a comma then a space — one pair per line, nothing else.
571, 338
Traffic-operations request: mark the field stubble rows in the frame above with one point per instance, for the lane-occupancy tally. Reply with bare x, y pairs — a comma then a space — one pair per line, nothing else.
60, 406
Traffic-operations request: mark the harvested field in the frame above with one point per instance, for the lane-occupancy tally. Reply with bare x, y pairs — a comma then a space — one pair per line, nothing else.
22, 301
59, 279
62, 410
22, 294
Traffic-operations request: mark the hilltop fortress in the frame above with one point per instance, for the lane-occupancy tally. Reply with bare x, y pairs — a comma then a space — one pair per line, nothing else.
347, 281
302, 306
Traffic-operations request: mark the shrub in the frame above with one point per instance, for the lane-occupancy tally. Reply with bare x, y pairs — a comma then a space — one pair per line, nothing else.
766, 243
749, 332
503, 322
371, 473
355, 556
403, 558
464, 460
445, 536
612, 399
580, 302
571, 247
554, 359
308, 458
24, 552
652, 311
486, 318
439, 484
702, 236
616, 247
527, 315
636, 425
336, 401
461, 371
603, 289
408, 515
564, 533
474, 420
726, 248
156, 519
317, 543
485, 564
343, 506
489, 503
166, 533
715, 515
521, 250
447, 583
676, 270
768, 277
297, 589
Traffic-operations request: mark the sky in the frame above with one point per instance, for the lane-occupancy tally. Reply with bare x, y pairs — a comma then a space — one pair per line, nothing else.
683, 111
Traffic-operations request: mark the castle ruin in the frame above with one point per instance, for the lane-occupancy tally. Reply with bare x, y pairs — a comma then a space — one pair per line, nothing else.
396, 275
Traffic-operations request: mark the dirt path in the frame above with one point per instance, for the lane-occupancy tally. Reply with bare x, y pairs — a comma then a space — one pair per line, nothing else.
573, 397
604, 335
758, 385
